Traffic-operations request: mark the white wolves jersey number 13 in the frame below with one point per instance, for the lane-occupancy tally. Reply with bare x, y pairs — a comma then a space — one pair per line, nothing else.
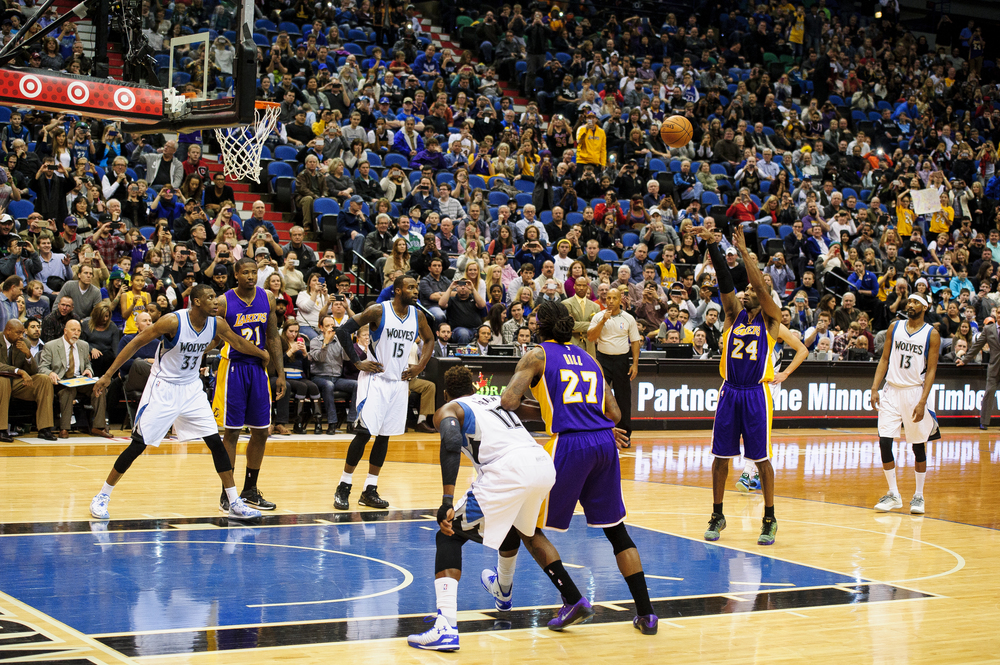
391, 341
490, 430
908, 356
178, 359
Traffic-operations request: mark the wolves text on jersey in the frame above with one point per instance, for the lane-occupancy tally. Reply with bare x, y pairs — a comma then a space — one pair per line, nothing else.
399, 333
908, 347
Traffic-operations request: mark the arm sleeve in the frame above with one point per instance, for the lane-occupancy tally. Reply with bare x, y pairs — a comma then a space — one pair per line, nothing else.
451, 450
721, 269
344, 333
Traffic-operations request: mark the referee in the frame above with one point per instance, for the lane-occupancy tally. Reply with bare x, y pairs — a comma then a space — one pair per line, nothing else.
616, 335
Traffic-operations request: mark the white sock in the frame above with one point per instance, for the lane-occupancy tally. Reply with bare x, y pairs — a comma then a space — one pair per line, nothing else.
446, 590
346, 477
890, 477
109, 488
232, 494
371, 481
920, 483
505, 572
421, 418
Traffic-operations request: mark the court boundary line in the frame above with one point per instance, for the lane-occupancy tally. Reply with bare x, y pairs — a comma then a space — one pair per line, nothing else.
955, 569
517, 630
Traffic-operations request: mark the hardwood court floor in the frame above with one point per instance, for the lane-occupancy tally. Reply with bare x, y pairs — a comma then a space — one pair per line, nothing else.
826, 481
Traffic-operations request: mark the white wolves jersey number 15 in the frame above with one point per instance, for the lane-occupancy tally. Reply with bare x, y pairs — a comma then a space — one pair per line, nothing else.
490, 430
178, 360
908, 356
391, 341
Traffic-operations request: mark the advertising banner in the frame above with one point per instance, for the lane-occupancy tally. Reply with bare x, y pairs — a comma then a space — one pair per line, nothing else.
677, 394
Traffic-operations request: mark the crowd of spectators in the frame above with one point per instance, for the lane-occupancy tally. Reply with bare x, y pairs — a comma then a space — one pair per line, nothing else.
818, 128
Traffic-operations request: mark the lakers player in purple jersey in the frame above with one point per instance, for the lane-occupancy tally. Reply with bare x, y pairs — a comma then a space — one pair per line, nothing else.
242, 391
744, 408
580, 413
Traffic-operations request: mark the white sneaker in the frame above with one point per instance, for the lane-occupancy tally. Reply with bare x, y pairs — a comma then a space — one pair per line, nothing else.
99, 506
442, 637
889, 502
240, 511
491, 582
917, 505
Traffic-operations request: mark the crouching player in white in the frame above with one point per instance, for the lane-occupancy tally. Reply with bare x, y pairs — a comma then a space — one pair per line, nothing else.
908, 365
513, 477
174, 395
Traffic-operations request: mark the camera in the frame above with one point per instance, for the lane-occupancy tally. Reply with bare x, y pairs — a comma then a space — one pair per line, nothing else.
167, 282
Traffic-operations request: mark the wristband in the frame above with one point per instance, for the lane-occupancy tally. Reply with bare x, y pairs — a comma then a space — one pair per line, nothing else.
447, 499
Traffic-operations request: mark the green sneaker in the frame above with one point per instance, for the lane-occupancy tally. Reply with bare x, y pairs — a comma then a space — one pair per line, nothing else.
768, 531
743, 484
715, 524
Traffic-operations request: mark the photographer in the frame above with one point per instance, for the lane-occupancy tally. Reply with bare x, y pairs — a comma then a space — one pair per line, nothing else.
464, 309
108, 244
115, 182
51, 184
20, 258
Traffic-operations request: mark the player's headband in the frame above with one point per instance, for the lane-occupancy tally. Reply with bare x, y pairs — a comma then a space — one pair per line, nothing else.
919, 298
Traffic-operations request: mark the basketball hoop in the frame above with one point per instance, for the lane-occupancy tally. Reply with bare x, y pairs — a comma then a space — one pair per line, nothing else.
241, 145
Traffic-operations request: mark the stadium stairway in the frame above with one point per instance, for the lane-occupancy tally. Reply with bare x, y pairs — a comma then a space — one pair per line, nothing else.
443, 40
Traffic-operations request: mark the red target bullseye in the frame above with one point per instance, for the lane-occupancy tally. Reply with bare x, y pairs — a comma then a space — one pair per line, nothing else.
30, 86
77, 93
124, 99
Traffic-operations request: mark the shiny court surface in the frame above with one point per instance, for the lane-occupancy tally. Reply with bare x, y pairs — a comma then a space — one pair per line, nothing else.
168, 581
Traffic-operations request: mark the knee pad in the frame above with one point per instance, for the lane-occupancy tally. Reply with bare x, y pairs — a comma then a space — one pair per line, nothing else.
449, 552
129, 455
379, 450
885, 445
920, 452
219, 455
620, 540
511, 541
357, 448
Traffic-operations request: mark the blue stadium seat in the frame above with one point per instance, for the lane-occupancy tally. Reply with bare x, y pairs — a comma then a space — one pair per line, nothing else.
261, 40
847, 191
445, 177
710, 199
351, 47
765, 232
279, 170
657, 165
356, 35
523, 199
374, 159
477, 182
498, 198
783, 231
546, 217
147, 231
264, 24
524, 186
283, 152
181, 79
629, 240
291, 28
574, 218
395, 159
765, 187
607, 255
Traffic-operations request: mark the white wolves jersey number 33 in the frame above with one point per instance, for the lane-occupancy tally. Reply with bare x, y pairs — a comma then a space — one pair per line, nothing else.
178, 360
392, 339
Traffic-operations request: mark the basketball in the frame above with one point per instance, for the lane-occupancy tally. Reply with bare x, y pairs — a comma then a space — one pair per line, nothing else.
676, 131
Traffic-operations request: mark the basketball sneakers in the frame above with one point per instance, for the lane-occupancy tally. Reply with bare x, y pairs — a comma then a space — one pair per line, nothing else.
715, 525
889, 502
441, 637
241, 512
579, 612
917, 505
746, 483
490, 580
99, 506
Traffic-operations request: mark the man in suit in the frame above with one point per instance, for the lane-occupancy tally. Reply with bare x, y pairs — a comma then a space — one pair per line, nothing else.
15, 358
441, 343
583, 309
66, 358
989, 334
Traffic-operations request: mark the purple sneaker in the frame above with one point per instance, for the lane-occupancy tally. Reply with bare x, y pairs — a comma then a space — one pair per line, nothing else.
646, 624
579, 612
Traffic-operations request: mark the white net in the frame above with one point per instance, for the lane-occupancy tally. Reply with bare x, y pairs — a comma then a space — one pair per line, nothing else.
241, 146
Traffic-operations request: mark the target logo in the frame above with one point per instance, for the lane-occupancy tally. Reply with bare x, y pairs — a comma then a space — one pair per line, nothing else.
77, 93
124, 99
30, 86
